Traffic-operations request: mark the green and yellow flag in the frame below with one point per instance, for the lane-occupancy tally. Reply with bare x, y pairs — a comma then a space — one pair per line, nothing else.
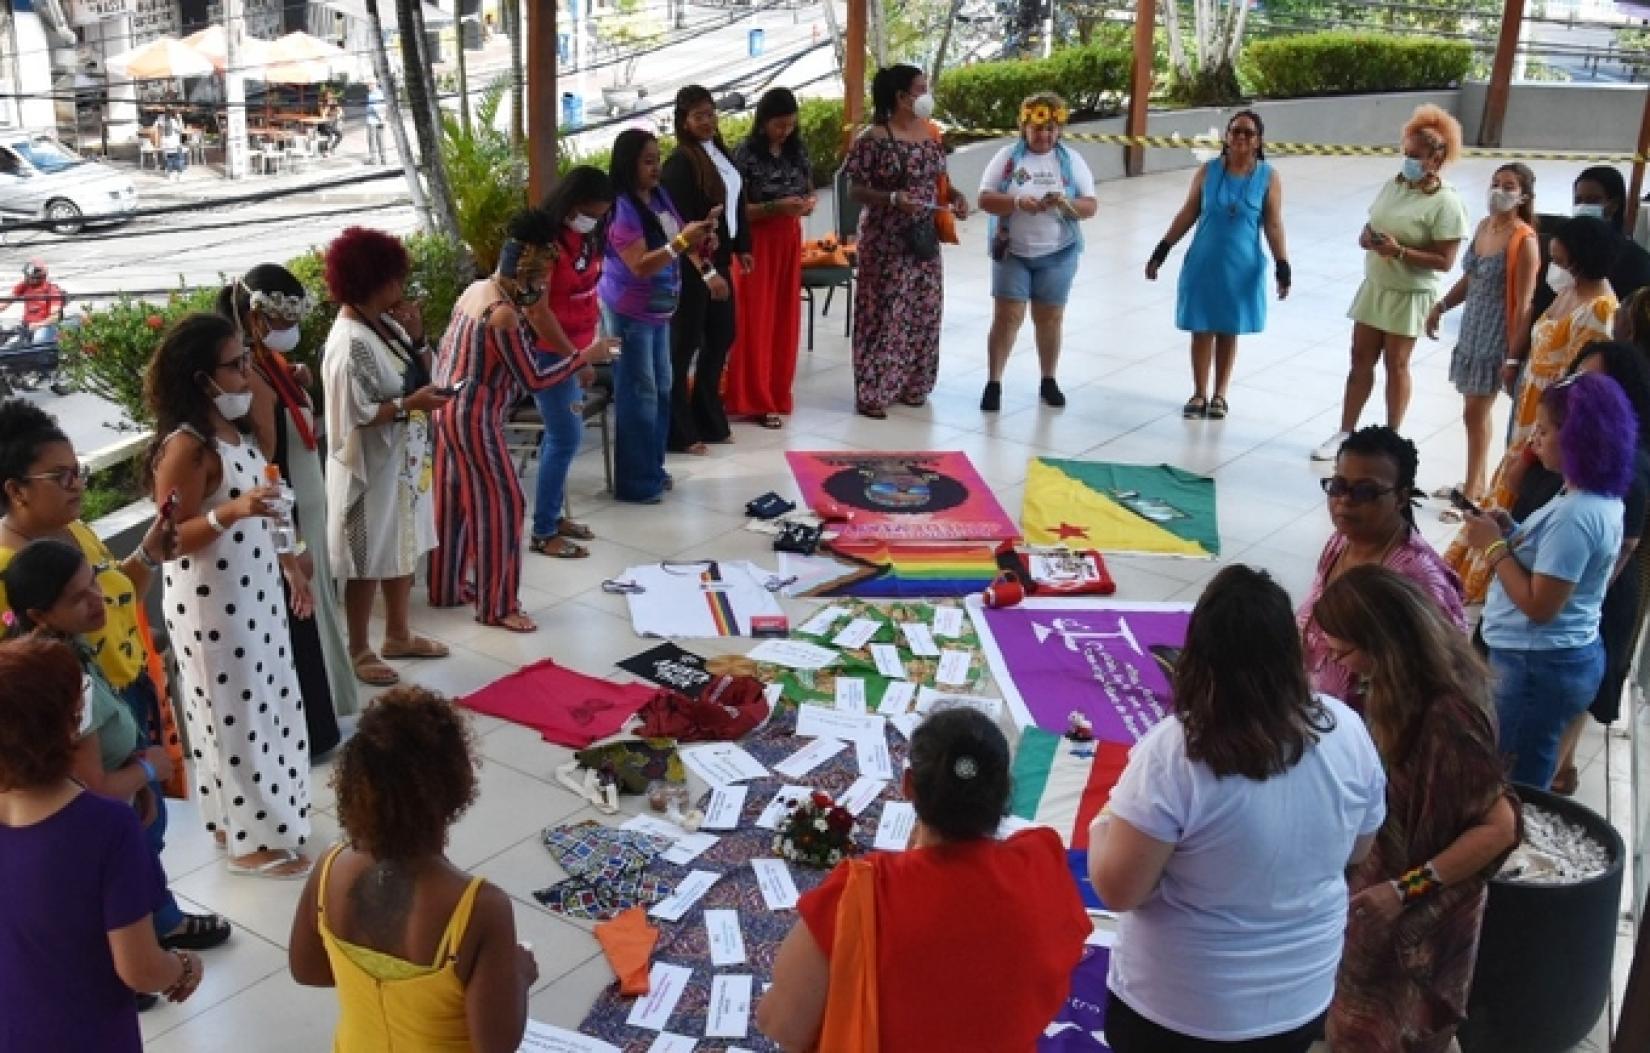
1148, 508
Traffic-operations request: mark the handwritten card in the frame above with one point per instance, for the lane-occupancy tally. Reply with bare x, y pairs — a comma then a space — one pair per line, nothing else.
779, 807
729, 1012
886, 655
856, 633
722, 813
726, 940
850, 694
897, 697
862, 794
948, 621
817, 722
689, 847
906, 724
919, 640
671, 1042
873, 758
953, 668
674, 907
665, 984
543, 1038
809, 757
773, 880
899, 818
928, 700
821, 622
792, 654
721, 763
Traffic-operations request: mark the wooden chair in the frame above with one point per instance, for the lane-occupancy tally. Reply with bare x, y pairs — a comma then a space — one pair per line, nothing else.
845, 222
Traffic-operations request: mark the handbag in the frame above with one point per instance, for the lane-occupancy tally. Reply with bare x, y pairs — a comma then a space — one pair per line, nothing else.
922, 238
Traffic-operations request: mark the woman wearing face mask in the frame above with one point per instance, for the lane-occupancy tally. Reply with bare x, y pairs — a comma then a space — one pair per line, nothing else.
268, 305
701, 176
894, 168
565, 321
1582, 250
1222, 292
1036, 191
1497, 284
1600, 192
1414, 231
380, 516
487, 359
224, 611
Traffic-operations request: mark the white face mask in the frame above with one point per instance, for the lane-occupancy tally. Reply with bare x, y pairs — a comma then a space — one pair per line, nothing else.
579, 223
283, 340
1588, 211
1559, 279
1503, 200
233, 407
923, 106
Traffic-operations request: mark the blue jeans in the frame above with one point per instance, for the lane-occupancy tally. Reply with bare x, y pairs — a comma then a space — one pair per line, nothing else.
641, 411
140, 698
176, 160
1537, 694
563, 431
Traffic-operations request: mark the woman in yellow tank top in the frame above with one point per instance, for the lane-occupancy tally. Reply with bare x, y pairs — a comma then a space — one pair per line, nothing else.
423, 955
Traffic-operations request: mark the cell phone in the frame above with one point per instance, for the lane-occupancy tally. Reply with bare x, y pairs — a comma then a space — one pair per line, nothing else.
456, 388
1459, 500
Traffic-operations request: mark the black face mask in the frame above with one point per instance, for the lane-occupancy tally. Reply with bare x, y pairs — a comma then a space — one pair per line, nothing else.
527, 297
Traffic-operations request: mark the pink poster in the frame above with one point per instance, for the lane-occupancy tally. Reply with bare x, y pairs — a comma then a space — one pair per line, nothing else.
918, 495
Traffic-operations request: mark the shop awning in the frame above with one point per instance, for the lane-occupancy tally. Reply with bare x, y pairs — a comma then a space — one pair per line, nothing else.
357, 9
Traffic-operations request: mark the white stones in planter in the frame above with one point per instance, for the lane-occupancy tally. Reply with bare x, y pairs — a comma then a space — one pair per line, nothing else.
1554, 851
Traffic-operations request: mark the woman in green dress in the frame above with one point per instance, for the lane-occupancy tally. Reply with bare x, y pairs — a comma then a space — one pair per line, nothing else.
1414, 231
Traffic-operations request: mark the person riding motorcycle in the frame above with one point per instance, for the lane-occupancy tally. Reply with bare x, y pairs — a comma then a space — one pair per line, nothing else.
43, 304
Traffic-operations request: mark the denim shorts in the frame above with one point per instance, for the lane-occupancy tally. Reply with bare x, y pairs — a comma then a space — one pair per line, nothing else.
1039, 279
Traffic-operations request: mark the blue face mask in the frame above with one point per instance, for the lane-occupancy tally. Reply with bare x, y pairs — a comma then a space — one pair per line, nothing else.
1588, 211
1414, 170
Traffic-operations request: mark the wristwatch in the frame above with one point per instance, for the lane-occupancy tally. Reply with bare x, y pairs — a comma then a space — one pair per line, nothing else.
400, 407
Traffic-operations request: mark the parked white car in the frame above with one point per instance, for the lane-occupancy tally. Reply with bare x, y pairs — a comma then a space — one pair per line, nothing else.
40, 178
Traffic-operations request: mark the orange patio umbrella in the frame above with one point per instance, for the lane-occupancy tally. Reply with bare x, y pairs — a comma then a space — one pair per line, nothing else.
163, 58
251, 55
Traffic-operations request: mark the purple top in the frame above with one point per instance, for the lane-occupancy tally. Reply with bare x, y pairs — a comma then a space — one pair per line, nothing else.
70, 880
1415, 560
622, 292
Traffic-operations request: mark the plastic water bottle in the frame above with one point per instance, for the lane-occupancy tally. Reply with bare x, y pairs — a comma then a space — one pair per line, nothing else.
281, 529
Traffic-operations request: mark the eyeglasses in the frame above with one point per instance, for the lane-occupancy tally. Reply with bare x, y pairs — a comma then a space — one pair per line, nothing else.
1243, 133
240, 363
1359, 493
68, 478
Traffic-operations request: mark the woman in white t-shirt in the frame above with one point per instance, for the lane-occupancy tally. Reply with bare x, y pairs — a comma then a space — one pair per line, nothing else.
1225, 843
1036, 191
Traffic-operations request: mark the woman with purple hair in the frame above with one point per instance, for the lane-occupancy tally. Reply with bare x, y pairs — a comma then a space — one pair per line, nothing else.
1550, 572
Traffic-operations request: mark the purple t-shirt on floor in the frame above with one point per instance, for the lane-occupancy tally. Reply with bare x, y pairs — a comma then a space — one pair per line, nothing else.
650, 299
70, 880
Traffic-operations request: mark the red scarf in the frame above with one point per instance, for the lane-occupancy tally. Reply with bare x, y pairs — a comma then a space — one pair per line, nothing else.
278, 371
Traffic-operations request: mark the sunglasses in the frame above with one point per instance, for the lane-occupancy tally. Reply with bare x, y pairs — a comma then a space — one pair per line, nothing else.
1359, 493
67, 478
1243, 133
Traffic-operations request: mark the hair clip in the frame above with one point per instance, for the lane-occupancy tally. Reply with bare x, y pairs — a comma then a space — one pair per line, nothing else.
965, 767
9, 618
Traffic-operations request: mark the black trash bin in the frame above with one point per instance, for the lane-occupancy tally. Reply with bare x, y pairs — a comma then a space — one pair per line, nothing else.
1545, 953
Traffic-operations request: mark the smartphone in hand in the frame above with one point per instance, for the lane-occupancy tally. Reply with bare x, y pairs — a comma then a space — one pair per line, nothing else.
1459, 500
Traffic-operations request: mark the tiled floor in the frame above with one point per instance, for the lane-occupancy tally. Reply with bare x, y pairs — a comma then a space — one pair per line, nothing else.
1124, 369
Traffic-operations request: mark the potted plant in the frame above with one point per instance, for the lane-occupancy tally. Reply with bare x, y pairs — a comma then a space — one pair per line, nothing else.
632, 31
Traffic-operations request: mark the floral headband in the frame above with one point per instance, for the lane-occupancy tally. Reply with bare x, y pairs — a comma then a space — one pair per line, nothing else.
1042, 113
286, 307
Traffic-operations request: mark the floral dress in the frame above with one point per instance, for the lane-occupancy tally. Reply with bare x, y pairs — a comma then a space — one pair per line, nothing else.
898, 298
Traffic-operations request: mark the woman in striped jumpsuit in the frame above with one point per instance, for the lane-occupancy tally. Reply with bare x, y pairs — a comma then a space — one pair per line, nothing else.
487, 359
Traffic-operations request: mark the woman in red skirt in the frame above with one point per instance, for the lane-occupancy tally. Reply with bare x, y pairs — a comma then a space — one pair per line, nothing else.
779, 189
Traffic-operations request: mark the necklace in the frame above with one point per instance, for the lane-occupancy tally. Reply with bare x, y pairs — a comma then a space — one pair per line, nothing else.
1231, 201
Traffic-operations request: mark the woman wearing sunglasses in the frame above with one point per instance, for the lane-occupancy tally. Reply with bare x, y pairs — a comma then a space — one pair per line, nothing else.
1371, 499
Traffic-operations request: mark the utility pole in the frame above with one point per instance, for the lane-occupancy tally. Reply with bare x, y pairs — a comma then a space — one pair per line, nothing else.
234, 90
541, 98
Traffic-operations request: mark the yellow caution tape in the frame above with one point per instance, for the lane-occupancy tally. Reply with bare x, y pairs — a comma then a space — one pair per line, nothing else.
1274, 147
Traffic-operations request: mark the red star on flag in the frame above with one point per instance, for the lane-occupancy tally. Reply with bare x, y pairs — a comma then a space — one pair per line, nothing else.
1066, 531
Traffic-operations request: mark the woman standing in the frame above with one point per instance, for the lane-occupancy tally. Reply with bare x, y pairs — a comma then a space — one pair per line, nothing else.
639, 287
242, 702
268, 305
1497, 283
380, 516
487, 359
1418, 899
1541, 619
1414, 231
565, 321
894, 168
1371, 501
1582, 250
1036, 192
1222, 291
779, 192
701, 176
1226, 841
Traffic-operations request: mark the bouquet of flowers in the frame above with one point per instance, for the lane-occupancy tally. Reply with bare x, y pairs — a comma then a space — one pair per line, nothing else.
817, 833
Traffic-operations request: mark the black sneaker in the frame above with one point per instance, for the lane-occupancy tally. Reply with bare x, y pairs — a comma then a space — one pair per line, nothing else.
991, 400
1052, 394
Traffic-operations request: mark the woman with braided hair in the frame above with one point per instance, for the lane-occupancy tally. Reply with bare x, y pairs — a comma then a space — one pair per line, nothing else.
1371, 502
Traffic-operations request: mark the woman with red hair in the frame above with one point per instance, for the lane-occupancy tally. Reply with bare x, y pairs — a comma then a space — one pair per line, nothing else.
380, 516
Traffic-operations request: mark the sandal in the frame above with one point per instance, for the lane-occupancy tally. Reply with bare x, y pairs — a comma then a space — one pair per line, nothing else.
916, 402
516, 621
1567, 781
558, 547
1218, 408
284, 864
371, 670
414, 647
1196, 408
1443, 493
568, 528
771, 421
198, 932
874, 412
1450, 515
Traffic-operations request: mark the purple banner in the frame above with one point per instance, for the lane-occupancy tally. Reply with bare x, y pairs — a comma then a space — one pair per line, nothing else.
1080, 1026
1109, 661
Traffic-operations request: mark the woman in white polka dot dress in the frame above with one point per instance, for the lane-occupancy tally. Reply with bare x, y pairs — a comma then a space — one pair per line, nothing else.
224, 604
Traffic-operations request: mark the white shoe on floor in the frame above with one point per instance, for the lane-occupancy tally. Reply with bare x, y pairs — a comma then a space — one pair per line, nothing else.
1330, 447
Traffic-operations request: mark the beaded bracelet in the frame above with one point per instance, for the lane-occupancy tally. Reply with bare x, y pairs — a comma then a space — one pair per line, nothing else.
1418, 884
1498, 545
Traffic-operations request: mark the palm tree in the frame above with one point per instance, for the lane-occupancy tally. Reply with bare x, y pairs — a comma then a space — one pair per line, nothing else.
421, 96
392, 99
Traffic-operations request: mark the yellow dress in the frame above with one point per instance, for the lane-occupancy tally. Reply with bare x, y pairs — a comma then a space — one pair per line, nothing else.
1554, 344
388, 1004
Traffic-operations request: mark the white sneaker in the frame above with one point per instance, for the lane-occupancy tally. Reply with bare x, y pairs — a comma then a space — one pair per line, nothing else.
1330, 447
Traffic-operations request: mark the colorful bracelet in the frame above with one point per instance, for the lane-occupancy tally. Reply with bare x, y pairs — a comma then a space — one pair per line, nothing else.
1418, 884
1498, 545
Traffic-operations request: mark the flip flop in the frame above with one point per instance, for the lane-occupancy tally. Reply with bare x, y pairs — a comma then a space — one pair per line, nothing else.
772, 421
566, 547
415, 647
1218, 408
516, 622
568, 528
371, 670
271, 869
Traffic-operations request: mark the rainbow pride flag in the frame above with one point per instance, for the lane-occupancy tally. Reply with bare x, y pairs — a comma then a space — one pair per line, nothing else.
899, 570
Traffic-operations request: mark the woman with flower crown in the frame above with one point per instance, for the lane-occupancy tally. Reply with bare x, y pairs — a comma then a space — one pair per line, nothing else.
1222, 295
1036, 191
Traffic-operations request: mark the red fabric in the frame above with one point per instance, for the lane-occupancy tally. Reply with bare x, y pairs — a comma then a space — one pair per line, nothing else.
572, 288
768, 308
567, 708
727, 708
994, 926
40, 302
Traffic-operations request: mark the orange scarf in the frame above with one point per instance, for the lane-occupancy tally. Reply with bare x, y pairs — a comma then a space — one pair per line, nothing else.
850, 1024
279, 373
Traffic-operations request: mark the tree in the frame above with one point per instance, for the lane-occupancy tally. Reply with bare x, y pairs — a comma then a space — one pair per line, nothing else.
518, 75
1208, 74
392, 101
421, 97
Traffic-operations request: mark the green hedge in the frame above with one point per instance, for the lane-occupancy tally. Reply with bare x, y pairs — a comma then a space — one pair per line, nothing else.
988, 94
1339, 63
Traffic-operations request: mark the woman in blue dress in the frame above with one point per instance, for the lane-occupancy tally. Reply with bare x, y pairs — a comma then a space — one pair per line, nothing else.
1223, 283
